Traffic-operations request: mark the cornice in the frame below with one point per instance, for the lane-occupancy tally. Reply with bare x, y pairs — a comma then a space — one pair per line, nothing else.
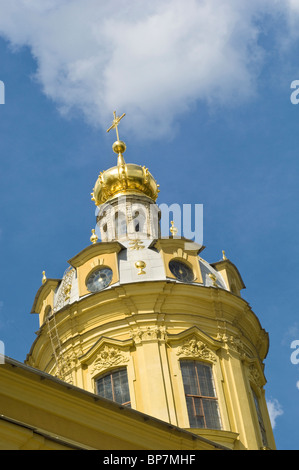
218, 265
43, 291
94, 250
218, 311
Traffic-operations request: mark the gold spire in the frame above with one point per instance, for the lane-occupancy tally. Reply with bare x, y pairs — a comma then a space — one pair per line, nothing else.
119, 146
223, 255
125, 178
44, 277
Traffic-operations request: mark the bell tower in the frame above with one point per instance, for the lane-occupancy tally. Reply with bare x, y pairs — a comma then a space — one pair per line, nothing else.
146, 322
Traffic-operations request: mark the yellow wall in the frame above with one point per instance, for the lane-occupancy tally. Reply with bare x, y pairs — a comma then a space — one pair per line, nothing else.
39, 412
142, 327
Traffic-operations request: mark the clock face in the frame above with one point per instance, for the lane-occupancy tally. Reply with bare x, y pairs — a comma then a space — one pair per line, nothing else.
181, 271
99, 279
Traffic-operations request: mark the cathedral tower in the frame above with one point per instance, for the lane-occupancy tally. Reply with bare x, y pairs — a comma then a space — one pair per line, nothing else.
146, 322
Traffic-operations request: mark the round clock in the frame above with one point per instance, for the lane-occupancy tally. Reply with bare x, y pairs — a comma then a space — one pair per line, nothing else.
181, 271
99, 279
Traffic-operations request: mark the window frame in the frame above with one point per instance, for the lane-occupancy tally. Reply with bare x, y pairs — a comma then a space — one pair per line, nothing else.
120, 224
259, 416
199, 396
188, 265
109, 373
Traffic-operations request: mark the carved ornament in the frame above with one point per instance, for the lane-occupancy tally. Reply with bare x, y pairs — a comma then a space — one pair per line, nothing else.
196, 349
151, 333
109, 356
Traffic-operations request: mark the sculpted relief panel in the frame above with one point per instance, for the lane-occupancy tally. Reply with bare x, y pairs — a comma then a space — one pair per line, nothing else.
107, 357
194, 348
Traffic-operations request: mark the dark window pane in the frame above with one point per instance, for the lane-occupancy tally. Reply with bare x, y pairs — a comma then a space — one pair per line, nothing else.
189, 378
181, 271
260, 419
121, 386
211, 414
195, 412
202, 404
205, 378
114, 386
190, 408
104, 387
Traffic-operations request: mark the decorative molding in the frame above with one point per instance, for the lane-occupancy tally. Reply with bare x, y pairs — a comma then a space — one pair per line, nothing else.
180, 253
108, 357
127, 300
64, 369
97, 262
255, 376
195, 348
64, 289
150, 333
162, 296
232, 342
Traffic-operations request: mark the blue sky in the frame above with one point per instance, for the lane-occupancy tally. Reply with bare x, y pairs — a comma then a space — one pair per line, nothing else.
208, 111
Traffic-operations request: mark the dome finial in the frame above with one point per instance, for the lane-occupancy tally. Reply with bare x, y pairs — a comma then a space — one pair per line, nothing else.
93, 237
125, 178
119, 146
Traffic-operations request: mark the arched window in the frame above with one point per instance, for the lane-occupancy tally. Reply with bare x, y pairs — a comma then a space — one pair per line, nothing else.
114, 386
120, 224
202, 403
139, 219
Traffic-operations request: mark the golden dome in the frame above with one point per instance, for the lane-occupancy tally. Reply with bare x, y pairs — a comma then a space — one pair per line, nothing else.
124, 179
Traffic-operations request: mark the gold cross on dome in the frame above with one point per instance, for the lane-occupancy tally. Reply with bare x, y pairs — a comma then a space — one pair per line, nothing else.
115, 123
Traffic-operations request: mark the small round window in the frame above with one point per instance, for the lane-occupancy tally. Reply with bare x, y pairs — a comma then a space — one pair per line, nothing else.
181, 271
99, 279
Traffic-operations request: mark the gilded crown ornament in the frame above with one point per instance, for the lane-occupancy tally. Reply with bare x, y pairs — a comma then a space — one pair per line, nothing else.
125, 178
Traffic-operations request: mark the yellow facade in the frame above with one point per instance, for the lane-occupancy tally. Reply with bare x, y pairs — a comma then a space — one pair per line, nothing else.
148, 323
39, 412
149, 328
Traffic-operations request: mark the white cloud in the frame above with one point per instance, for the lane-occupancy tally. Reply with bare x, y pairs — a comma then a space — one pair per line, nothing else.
293, 7
275, 410
152, 60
